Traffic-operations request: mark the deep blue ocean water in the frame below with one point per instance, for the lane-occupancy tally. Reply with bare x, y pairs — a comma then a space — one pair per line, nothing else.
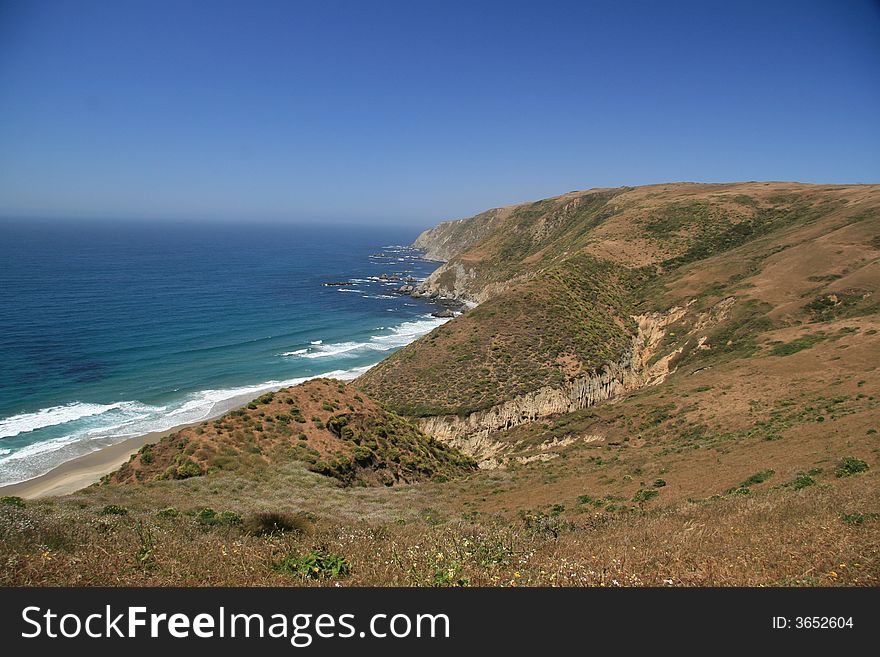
113, 330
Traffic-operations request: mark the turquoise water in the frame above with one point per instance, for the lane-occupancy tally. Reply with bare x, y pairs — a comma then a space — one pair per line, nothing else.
109, 331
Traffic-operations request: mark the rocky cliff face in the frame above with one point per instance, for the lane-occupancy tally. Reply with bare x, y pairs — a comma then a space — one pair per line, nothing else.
473, 434
439, 242
443, 242
448, 239
542, 269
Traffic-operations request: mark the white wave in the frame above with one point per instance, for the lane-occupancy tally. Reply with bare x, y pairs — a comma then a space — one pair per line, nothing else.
28, 453
120, 413
317, 342
348, 289
133, 418
104, 430
407, 332
400, 335
298, 352
333, 349
377, 296
49, 417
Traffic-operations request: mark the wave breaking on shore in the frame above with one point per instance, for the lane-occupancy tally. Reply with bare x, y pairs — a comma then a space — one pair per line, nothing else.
400, 336
85, 427
94, 426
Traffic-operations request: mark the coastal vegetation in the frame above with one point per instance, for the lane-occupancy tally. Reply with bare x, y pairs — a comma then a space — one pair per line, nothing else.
349, 438
742, 450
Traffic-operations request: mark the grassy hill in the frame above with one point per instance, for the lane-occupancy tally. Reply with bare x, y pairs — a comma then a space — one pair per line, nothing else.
560, 280
322, 423
744, 448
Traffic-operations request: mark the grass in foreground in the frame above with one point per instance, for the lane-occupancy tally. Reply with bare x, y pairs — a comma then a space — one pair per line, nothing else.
760, 539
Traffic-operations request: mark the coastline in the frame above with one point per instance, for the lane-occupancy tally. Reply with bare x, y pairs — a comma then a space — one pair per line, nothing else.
82, 471
87, 469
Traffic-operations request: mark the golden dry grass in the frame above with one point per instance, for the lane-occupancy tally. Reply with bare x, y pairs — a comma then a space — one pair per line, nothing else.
781, 537
725, 474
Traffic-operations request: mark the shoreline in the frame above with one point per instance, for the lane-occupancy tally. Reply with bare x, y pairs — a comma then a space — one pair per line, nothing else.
87, 469
82, 471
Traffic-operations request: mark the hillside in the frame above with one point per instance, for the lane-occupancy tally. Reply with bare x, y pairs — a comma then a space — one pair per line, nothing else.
671, 385
577, 290
322, 423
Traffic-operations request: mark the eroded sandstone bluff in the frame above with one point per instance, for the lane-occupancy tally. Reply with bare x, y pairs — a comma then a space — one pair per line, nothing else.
585, 297
639, 367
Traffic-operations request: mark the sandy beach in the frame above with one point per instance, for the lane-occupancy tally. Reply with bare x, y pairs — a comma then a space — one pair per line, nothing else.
87, 469
83, 470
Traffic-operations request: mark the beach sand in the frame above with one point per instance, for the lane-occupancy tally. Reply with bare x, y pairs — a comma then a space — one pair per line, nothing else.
87, 469
84, 470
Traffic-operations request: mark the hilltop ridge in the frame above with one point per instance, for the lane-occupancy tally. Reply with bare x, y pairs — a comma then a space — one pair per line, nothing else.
669, 385
571, 288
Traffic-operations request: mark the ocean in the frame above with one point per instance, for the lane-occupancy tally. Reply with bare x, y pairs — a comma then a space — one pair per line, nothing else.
112, 330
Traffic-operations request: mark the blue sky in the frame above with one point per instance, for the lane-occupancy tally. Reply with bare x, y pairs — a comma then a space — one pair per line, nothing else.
421, 111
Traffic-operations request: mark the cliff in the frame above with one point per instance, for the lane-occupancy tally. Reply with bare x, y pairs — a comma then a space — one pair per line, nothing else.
565, 287
472, 433
664, 372
447, 239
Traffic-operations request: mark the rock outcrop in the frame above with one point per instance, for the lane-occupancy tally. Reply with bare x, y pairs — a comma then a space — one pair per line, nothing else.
448, 239
473, 434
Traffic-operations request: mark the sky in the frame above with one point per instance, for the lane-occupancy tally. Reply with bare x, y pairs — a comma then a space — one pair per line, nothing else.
414, 112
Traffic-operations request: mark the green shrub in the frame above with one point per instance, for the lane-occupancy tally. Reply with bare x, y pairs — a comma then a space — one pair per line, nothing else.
644, 494
12, 500
449, 575
544, 523
659, 483
850, 465
114, 510
315, 565
168, 512
858, 518
211, 518
802, 481
796, 345
268, 523
146, 454
757, 478
188, 469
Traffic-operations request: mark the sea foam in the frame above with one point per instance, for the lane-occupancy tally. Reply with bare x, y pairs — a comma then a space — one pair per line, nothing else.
399, 336
106, 424
49, 417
